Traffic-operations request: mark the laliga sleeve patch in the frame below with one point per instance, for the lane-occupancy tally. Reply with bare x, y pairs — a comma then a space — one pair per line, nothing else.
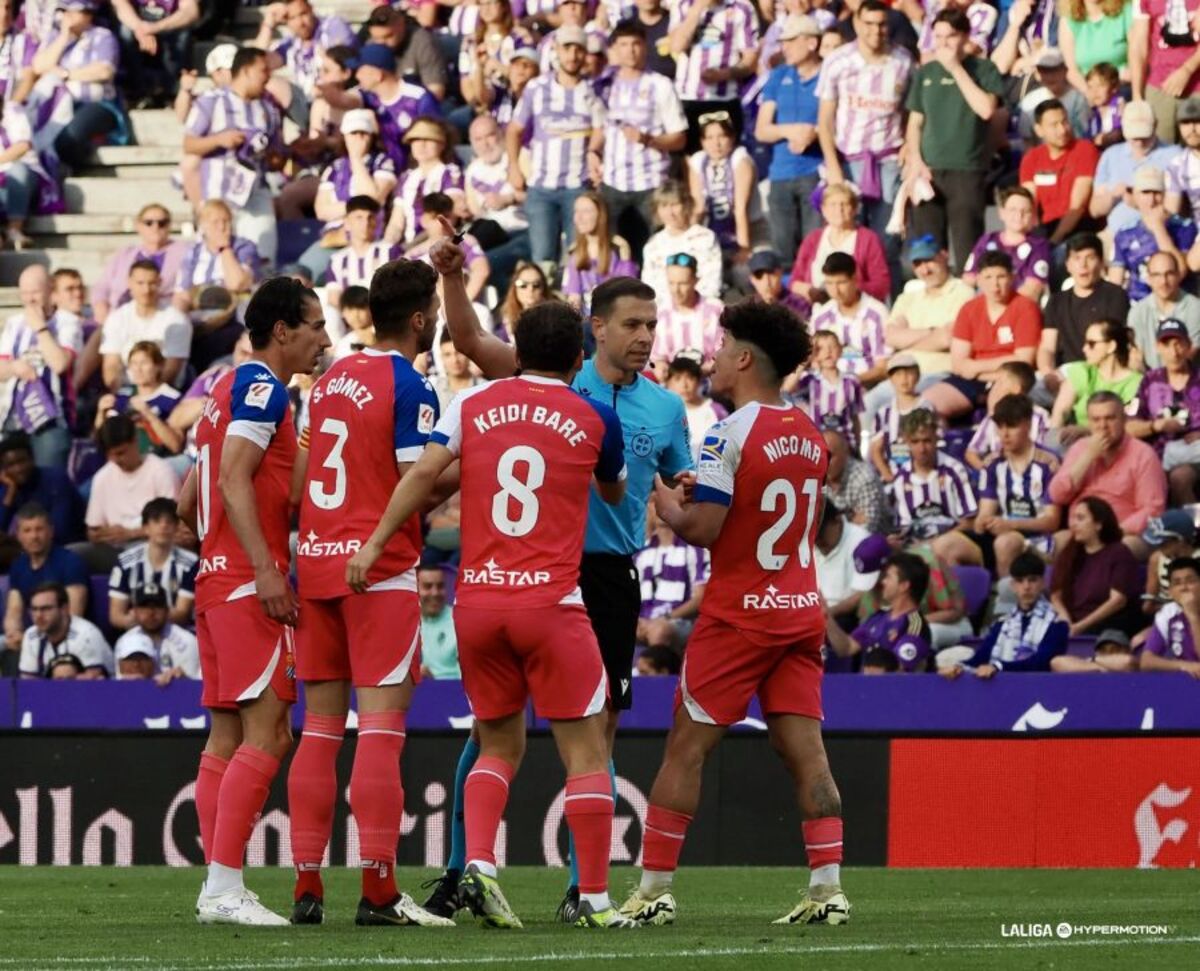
425, 419
712, 449
258, 394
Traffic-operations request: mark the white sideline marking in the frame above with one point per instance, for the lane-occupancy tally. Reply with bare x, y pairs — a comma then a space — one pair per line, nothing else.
286, 964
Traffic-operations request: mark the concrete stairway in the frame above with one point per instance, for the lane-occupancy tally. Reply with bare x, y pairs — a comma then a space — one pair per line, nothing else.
103, 199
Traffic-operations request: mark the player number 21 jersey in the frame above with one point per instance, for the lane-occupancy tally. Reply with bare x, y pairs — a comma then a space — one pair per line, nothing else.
249, 402
767, 464
528, 447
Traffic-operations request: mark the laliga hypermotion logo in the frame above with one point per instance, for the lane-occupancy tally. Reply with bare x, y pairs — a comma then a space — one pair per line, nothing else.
623, 822
772, 599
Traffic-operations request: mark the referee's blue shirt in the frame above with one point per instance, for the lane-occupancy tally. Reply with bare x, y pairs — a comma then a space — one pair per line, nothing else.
654, 422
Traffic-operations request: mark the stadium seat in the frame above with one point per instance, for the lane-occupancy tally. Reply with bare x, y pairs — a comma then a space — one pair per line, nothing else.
976, 583
450, 572
1083, 647
295, 236
97, 606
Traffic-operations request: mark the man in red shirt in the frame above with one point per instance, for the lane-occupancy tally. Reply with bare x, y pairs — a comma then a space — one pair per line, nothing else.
991, 329
1059, 172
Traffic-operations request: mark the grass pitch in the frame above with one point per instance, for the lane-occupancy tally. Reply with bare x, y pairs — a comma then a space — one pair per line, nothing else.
84, 919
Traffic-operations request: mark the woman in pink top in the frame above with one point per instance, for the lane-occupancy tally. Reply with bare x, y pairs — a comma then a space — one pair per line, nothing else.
839, 207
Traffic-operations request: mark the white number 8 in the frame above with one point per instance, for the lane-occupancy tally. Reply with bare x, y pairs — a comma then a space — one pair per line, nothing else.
524, 493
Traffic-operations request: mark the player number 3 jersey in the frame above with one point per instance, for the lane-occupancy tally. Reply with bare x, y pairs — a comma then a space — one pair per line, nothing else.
767, 464
368, 414
528, 447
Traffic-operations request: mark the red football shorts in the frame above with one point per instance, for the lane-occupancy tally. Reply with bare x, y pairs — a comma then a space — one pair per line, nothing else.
242, 652
723, 670
550, 654
371, 639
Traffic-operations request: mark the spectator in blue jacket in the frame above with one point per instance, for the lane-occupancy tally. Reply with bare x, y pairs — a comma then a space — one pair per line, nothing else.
21, 481
41, 561
1028, 639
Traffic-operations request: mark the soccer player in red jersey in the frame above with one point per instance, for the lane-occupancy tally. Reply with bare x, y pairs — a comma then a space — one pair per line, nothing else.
761, 627
370, 416
238, 500
529, 450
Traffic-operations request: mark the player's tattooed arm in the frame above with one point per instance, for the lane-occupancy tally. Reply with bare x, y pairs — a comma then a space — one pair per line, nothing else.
240, 459
698, 523
411, 494
491, 355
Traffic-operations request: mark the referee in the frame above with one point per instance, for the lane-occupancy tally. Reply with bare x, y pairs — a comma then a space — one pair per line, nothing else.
654, 423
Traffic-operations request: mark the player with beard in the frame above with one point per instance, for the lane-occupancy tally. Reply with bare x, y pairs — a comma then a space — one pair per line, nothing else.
654, 425
370, 416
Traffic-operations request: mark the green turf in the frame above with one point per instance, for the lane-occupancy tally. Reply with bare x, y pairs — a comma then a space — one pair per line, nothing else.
99, 919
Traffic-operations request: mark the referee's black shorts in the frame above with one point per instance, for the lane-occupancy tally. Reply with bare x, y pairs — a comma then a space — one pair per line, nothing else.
613, 598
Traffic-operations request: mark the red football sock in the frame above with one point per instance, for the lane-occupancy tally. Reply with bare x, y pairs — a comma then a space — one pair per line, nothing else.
823, 841
208, 786
589, 812
376, 796
485, 795
312, 792
379, 882
243, 793
663, 841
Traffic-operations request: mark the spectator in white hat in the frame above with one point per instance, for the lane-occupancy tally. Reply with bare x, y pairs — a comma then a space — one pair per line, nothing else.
364, 170
1154, 231
218, 67
1118, 163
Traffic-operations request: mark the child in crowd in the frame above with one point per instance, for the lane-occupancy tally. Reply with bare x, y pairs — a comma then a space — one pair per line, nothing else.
355, 308
1171, 536
831, 399
355, 263
1030, 254
475, 264
888, 450
148, 398
1104, 95
934, 497
686, 378
1016, 377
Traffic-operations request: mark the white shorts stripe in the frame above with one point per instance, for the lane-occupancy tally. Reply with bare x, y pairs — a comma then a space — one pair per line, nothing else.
491, 773
663, 832
379, 731
821, 846
332, 738
589, 795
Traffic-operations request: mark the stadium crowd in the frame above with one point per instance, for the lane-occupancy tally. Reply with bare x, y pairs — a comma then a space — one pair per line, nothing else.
1013, 410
